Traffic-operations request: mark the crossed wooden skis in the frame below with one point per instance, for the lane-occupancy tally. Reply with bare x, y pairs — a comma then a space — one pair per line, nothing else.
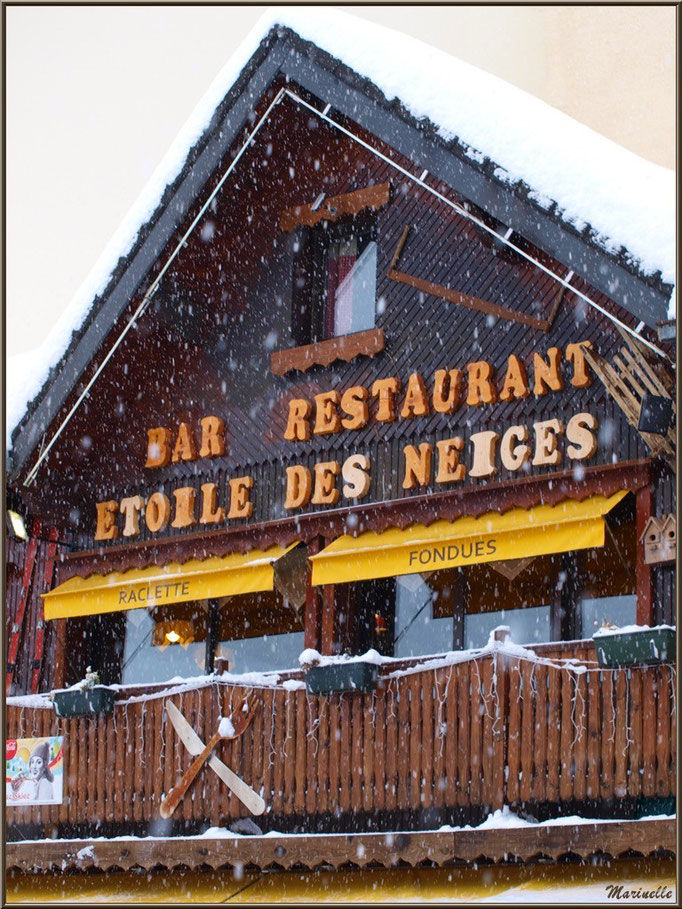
203, 753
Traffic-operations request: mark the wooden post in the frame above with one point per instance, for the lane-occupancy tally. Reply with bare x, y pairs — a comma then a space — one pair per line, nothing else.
328, 620
645, 599
212, 637
59, 653
312, 623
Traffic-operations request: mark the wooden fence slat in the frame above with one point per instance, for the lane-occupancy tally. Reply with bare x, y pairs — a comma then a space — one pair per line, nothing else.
566, 737
298, 698
368, 751
440, 681
92, 769
334, 749
344, 763
608, 737
451, 738
463, 730
633, 700
553, 733
648, 732
672, 778
540, 734
621, 774
527, 743
240, 757
595, 725
228, 703
580, 754
662, 730
476, 733
427, 710
380, 740
213, 781
100, 770
68, 726
269, 753
403, 745
415, 740
391, 702
312, 753
150, 770
323, 710
278, 768
356, 734
488, 720
138, 721
514, 732
169, 746
126, 758
501, 672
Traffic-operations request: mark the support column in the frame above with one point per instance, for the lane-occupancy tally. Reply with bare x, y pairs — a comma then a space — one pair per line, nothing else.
645, 598
59, 679
312, 622
328, 620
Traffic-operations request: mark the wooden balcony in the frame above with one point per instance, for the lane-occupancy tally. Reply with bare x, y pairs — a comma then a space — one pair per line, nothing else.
431, 745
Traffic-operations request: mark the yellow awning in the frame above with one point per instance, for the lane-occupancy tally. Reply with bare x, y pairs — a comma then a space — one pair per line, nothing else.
492, 537
218, 576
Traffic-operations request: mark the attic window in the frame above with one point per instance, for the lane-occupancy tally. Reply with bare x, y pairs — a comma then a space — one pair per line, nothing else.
350, 300
333, 300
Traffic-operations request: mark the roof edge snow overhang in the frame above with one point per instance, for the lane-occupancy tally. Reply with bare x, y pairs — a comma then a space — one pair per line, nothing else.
283, 52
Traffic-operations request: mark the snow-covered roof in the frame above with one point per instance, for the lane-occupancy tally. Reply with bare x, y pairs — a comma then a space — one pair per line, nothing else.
627, 201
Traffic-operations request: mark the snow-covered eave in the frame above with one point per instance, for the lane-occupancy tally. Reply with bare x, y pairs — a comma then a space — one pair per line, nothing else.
316, 34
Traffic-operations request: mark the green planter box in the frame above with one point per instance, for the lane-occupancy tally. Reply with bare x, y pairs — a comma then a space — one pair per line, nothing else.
356, 676
650, 645
76, 701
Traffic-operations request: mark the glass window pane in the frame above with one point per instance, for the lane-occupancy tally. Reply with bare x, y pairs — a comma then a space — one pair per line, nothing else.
527, 626
259, 632
596, 611
269, 652
355, 299
145, 661
416, 630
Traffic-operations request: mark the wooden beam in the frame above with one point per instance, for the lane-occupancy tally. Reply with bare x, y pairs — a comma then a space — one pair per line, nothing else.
455, 296
312, 625
645, 598
328, 620
336, 207
612, 838
323, 353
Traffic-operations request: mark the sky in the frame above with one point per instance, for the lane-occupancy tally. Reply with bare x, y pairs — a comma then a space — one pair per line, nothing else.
95, 96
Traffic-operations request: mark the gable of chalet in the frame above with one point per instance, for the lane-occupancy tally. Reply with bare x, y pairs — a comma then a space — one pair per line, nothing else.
284, 59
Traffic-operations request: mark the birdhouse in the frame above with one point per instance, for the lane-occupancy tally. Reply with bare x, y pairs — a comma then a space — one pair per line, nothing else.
660, 539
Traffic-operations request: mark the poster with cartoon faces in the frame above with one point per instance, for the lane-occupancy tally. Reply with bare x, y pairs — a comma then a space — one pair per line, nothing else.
34, 772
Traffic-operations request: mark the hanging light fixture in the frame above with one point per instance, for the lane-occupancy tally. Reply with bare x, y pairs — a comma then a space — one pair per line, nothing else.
16, 525
173, 631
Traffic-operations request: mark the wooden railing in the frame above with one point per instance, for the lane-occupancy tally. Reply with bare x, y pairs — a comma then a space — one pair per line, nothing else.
466, 737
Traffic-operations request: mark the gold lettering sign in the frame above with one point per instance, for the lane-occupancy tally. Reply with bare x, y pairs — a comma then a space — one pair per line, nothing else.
440, 462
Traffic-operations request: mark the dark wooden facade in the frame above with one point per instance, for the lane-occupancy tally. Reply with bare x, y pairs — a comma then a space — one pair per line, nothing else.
435, 746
